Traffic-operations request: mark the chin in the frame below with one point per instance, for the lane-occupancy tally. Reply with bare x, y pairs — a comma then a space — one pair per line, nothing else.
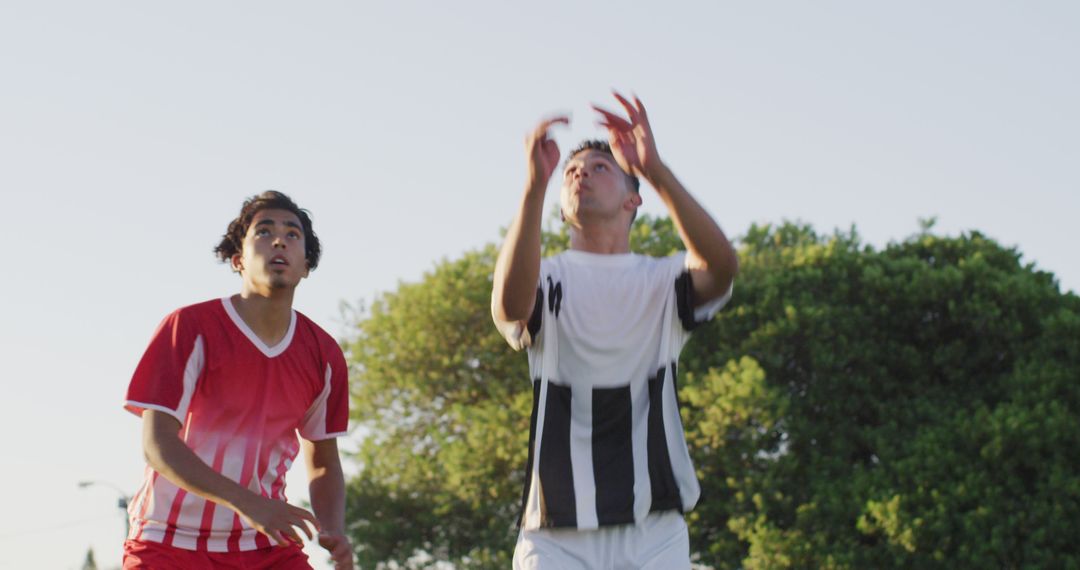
279, 283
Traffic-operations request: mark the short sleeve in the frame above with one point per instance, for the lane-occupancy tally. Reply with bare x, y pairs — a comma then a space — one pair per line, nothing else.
169, 370
328, 416
692, 317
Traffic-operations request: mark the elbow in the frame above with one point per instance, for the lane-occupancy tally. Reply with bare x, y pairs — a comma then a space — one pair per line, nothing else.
512, 315
725, 268
157, 441
153, 455
504, 310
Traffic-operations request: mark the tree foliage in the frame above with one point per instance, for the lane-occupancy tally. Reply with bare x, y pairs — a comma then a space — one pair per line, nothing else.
909, 407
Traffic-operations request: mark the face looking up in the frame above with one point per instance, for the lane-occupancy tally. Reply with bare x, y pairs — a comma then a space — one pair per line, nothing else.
273, 253
594, 187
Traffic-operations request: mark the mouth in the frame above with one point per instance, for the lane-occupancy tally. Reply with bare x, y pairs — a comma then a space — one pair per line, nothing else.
278, 261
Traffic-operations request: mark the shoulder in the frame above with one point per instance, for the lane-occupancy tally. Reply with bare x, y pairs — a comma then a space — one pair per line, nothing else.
196, 314
314, 334
552, 261
666, 267
210, 307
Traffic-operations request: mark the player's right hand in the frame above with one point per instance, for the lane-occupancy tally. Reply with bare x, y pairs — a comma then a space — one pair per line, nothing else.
542, 153
279, 520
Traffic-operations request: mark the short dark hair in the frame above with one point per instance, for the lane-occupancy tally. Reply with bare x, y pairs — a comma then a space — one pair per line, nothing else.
604, 147
233, 241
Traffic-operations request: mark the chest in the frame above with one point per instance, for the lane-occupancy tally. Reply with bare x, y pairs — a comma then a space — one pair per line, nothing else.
240, 380
607, 308
610, 326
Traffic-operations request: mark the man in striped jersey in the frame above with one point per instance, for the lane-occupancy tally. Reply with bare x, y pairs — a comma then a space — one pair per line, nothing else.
609, 472
223, 389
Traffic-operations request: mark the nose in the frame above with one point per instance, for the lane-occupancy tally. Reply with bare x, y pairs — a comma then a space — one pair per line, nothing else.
279, 242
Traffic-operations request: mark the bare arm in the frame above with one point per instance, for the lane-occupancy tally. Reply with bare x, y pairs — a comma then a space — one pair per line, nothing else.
710, 256
517, 268
172, 458
326, 484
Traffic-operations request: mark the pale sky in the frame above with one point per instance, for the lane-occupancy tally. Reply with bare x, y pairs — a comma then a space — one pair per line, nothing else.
130, 132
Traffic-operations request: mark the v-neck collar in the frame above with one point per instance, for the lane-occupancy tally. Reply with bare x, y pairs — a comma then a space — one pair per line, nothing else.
269, 351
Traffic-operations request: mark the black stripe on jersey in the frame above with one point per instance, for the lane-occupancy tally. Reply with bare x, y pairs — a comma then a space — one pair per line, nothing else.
665, 492
613, 455
675, 383
532, 446
537, 315
558, 506
684, 300
554, 296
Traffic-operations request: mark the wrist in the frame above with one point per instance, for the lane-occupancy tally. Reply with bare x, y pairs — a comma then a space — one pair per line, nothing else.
657, 176
536, 189
242, 501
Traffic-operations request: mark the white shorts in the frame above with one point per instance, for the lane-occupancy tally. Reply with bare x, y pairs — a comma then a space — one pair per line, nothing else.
660, 542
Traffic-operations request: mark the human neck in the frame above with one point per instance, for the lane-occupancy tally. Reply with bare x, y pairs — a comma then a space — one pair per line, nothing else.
268, 316
604, 239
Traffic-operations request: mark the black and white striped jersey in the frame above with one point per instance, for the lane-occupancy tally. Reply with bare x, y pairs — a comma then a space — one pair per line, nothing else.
606, 442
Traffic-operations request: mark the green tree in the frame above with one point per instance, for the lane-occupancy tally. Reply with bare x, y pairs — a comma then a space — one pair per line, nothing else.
444, 403
852, 408
903, 408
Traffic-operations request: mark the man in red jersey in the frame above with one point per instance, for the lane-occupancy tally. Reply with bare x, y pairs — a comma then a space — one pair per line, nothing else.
222, 390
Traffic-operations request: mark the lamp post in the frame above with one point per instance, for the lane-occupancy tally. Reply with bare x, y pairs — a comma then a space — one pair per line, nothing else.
122, 502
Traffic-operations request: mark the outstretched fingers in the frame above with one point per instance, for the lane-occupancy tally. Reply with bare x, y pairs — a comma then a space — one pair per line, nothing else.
539, 136
641, 108
611, 120
631, 110
635, 110
542, 151
545, 125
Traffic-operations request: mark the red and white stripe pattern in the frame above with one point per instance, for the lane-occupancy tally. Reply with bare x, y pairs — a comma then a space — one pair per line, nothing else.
241, 404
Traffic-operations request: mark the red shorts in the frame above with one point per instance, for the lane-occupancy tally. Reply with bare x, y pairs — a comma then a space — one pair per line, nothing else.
139, 555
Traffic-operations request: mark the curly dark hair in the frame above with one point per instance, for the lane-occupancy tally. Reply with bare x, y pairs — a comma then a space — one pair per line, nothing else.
233, 240
604, 147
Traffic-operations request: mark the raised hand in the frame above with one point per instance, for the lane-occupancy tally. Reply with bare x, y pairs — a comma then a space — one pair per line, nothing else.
541, 152
631, 139
278, 519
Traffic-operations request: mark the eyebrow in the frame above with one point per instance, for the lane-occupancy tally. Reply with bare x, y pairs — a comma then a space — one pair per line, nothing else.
270, 222
610, 160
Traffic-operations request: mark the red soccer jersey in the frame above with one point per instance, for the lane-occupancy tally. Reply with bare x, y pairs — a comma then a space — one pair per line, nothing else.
240, 404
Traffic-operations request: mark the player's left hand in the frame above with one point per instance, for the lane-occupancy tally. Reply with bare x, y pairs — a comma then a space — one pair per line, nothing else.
631, 140
340, 550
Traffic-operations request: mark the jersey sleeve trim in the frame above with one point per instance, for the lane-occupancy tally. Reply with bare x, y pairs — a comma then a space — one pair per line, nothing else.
138, 408
313, 427
325, 418
158, 383
327, 436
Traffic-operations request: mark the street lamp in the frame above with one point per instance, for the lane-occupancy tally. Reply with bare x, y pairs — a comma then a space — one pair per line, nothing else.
122, 502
